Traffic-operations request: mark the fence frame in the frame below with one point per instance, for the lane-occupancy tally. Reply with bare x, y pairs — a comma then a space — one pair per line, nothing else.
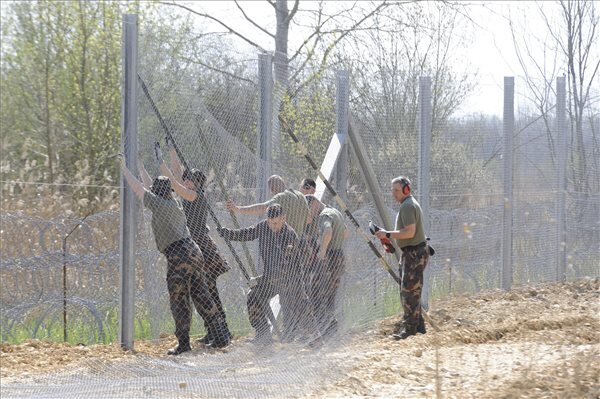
128, 220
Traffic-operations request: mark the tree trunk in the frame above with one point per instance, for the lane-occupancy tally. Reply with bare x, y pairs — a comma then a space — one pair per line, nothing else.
280, 57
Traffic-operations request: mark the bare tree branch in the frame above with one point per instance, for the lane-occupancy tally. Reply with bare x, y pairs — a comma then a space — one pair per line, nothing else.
252, 21
231, 30
293, 12
333, 44
212, 68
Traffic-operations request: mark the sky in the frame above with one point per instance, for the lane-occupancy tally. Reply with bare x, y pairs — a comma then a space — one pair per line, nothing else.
491, 52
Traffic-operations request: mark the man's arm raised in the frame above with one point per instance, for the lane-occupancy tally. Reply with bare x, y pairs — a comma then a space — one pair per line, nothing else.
146, 179
135, 185
176, 166
255, 209
180, 189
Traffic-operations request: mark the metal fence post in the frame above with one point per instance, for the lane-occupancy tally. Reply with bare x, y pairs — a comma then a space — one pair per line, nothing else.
128, 200
265, 125
342, 99
425, 115
508, 130
562, 139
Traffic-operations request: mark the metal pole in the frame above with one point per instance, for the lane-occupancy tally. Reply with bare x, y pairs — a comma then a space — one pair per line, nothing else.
509, 127
366, 169
562, 133
425, 116
341, 111
128, 201
265, 125
64, 281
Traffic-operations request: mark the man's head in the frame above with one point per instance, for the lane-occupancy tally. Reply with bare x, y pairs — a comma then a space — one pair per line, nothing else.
161, 186
275, 217
308, 186
315, 207
193, 179
400, 188
276, 184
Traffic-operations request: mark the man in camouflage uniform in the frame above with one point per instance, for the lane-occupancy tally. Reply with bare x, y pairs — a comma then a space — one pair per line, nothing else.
185, 278
189, 185
409, 233
327, 270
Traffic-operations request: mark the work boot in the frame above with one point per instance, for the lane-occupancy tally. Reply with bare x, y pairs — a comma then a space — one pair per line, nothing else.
406, 332
398, 327
421, 326
218, 331
208, 338
183, 346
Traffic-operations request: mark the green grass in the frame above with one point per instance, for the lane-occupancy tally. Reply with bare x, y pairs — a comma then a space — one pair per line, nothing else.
86, 331
360, 306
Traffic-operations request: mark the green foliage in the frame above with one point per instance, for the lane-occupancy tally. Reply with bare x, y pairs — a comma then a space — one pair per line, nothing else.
311, 115
61, 97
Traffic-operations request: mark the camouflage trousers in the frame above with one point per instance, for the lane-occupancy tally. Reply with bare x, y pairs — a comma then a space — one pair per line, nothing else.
185, 281
325, 280
414, 260
213, 266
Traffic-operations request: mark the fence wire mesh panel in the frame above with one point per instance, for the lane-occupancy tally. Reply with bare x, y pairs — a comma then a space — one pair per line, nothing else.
256, 276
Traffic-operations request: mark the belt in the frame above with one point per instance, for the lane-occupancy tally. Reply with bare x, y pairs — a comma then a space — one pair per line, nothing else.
413, 247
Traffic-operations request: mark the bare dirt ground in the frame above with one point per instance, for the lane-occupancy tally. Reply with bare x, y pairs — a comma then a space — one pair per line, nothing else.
533, 342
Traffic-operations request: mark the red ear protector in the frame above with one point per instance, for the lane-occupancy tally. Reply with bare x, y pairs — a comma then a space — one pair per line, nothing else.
405, 185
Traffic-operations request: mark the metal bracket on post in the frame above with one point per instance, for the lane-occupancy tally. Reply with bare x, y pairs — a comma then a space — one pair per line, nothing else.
128, 201
508, 130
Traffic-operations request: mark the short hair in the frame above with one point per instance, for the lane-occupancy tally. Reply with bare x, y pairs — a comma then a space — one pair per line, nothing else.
194, 175
274, 210
309, 183
401, 180
161, 186
404, 181
276, 183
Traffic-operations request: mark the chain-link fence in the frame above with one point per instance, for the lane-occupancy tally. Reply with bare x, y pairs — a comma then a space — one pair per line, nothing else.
60, 276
